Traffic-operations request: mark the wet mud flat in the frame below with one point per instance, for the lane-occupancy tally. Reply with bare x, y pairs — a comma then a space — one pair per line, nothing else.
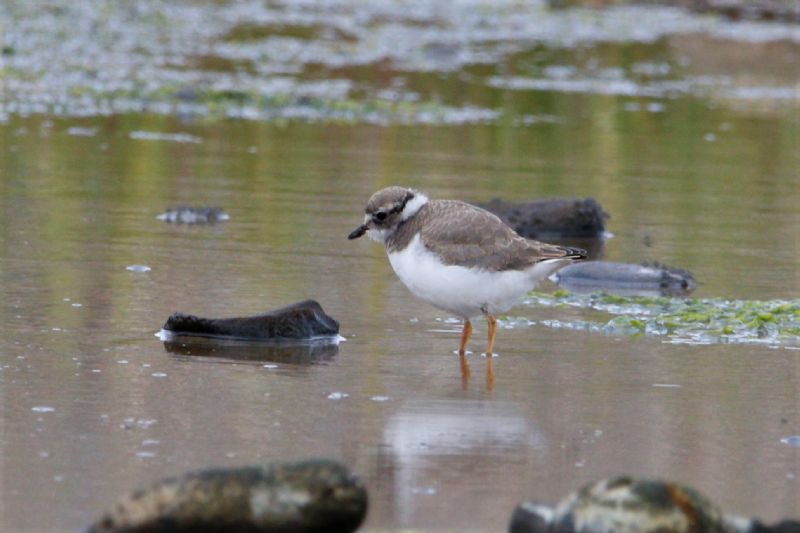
291, 61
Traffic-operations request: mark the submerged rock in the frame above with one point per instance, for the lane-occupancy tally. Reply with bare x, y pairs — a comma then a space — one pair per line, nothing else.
625, 278
193, 215
552, 218
300, 321
303, 497
627, 505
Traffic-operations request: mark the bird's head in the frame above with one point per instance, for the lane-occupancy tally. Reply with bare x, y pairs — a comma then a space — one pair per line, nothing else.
386, 209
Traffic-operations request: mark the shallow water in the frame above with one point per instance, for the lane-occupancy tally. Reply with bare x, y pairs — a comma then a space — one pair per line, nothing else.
95, 405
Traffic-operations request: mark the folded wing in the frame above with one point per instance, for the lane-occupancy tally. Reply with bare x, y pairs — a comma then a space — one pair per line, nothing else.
478, 239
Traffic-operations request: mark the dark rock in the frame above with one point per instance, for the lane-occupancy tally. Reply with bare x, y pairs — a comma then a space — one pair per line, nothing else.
625, 278
303, 497
552, 218
193, 215
301, 321
777, 10
767, 10
294, 353
641, 505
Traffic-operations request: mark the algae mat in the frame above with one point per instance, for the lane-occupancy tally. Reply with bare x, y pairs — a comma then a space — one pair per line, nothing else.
679, 320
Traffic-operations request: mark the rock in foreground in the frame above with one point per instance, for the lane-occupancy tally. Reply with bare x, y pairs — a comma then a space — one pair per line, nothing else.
301, 321
304, 497
625, 278
627, 505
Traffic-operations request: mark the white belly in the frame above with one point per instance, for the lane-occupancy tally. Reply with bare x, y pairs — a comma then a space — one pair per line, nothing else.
465, 292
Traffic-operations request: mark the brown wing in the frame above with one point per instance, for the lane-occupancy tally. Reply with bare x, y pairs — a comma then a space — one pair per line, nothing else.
470, 236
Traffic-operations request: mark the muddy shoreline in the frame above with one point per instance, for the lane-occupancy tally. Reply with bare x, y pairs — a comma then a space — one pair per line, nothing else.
378, 65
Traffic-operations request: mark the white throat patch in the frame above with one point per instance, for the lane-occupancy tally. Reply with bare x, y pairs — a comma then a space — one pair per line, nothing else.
379, 235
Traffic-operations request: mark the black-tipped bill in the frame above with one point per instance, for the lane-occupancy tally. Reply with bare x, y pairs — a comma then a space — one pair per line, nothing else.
358, 232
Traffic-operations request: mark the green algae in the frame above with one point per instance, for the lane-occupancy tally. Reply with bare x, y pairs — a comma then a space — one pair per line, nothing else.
296, 104
254, 32
683, 320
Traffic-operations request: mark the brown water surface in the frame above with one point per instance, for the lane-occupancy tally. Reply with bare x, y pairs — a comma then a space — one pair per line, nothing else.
95, 405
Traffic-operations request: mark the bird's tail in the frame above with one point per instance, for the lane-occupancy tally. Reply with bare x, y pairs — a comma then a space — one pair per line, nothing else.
576, 254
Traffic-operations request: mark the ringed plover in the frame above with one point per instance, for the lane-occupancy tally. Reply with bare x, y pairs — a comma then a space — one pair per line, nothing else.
458, 257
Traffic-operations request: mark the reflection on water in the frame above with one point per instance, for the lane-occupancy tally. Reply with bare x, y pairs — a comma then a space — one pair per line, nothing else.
422, 434
289, 353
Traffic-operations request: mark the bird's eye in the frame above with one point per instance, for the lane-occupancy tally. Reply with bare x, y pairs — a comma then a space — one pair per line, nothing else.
380, 215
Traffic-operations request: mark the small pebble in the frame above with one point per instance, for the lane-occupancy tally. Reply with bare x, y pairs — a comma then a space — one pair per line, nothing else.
337, 395
162, 136
81, 132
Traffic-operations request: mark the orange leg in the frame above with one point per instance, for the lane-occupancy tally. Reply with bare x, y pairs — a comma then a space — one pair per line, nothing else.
465, 334
492, 335
489, 354
462, 353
